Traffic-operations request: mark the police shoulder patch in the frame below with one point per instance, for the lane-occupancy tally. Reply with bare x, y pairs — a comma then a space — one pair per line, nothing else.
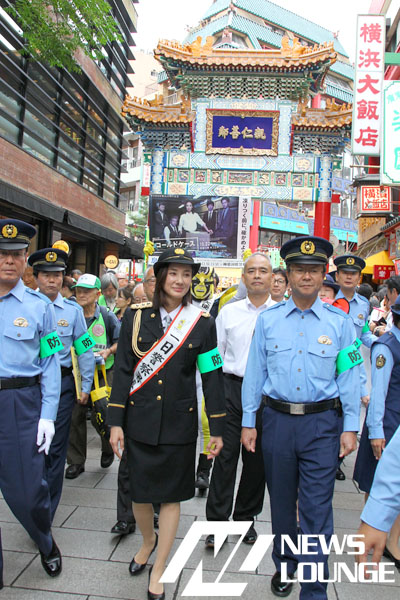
338, 311
380, 361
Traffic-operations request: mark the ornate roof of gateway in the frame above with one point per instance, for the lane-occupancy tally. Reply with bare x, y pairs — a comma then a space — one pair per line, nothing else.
159, 125
321, 129
293, 71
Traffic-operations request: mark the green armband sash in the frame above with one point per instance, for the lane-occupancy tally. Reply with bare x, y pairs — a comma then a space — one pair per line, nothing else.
358, 343
83, 344
365, 328
347, 358
209, 361
50, 344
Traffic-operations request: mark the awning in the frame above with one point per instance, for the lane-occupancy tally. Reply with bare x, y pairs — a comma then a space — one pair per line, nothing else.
31, 203
380, 258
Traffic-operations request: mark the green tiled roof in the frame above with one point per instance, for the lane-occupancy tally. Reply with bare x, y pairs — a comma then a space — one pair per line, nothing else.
343, 69
209, 29
283, 18
339, 93
256, 32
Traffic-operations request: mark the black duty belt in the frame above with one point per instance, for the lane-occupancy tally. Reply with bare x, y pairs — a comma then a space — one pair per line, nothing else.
300, 408
66, 371
18, 382
234, 377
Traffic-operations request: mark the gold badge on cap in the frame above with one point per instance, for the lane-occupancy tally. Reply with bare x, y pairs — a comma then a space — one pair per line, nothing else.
9, 231
324, 339
307, 247
350, 261
380, 361
63, 323
20, 322
179, 251
51, 257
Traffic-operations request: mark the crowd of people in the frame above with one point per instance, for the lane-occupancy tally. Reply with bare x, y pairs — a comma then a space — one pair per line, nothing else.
277, 378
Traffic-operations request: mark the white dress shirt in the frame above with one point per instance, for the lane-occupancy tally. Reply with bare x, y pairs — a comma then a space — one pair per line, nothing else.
235, 326
189, 222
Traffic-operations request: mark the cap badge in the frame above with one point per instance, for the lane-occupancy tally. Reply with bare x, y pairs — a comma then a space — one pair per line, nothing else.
179, 251
51, 257
324, 339
63, 323
350, 261
380, 361
9, 231
307, 247
20, 322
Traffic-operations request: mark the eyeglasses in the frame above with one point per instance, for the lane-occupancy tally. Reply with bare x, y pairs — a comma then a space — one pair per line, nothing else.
280, 281
150, 280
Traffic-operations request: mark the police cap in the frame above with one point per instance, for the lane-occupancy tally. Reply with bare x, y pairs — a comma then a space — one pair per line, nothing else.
176, 256
48, 259
395, 308
15, 234
331, 283
307, 249
349, 262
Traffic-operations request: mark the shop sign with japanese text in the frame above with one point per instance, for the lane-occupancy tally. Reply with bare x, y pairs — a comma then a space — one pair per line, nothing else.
374, 199
370, 64
390, 155
383, 271
242, 132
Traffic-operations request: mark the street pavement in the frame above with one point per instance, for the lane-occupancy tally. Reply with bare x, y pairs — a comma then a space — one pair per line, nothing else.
95, 563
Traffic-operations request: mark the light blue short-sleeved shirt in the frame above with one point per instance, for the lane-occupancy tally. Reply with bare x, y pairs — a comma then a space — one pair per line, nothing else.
71, 325
25, 317
293, 358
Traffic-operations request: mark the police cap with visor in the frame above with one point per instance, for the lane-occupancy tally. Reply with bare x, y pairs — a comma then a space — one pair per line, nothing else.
48, 259
307, 249
177, 256
15, 234
349, 262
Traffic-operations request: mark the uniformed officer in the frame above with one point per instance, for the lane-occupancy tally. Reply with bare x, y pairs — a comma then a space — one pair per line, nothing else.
49, 267
29, 392
383, 416
349, 267
383, 505
300, 363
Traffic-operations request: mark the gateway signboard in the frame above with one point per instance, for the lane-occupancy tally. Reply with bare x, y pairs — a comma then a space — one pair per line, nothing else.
390, 155
374, 200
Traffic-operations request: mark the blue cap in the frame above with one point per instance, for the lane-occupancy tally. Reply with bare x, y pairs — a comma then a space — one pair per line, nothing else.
15, 234
307, 249
350, 262
48, 259
395, 308
331, 283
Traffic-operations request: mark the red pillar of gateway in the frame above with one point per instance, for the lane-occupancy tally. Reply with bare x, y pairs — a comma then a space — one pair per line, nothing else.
322, 223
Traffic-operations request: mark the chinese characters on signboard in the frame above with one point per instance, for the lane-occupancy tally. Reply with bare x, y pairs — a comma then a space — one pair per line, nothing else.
390, 161
383, 271
370, 63
374, 199
242, 132
211, 228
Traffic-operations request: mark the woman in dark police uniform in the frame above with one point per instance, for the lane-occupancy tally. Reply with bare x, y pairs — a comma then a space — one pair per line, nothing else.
153, 404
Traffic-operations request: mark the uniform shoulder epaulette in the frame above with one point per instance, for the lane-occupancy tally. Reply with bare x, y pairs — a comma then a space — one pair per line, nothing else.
38, 295
141, 305
336, 310
205, 314
273, 306
362, 298
73, 303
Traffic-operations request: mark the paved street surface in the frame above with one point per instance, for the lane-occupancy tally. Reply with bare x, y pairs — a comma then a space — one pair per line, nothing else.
95, 563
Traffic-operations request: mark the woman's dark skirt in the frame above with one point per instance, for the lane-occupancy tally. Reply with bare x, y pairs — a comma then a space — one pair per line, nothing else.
163, 473
366, 463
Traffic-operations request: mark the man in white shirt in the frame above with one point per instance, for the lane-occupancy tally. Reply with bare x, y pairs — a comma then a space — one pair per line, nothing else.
235, 326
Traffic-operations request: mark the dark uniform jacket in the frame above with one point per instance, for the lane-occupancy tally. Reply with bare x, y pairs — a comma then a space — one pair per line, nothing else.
164, 410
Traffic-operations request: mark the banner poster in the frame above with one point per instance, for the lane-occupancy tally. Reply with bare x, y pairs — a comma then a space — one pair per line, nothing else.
215, 229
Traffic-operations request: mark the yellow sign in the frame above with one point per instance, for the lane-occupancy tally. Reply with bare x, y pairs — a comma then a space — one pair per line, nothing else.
111, 261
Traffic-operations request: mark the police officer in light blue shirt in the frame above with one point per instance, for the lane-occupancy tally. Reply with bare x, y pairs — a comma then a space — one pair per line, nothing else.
383, 505
301, 362
29, 392
349, 267
49, 267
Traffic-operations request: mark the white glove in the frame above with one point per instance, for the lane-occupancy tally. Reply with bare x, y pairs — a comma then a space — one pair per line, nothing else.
45, 434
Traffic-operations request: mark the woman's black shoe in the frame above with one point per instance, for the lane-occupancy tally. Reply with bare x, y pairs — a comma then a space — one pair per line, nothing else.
135, 568
150, 594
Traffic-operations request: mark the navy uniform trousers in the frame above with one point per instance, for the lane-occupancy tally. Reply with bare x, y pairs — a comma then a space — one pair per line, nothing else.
300, 457
22, 466
250, 495
55, 460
